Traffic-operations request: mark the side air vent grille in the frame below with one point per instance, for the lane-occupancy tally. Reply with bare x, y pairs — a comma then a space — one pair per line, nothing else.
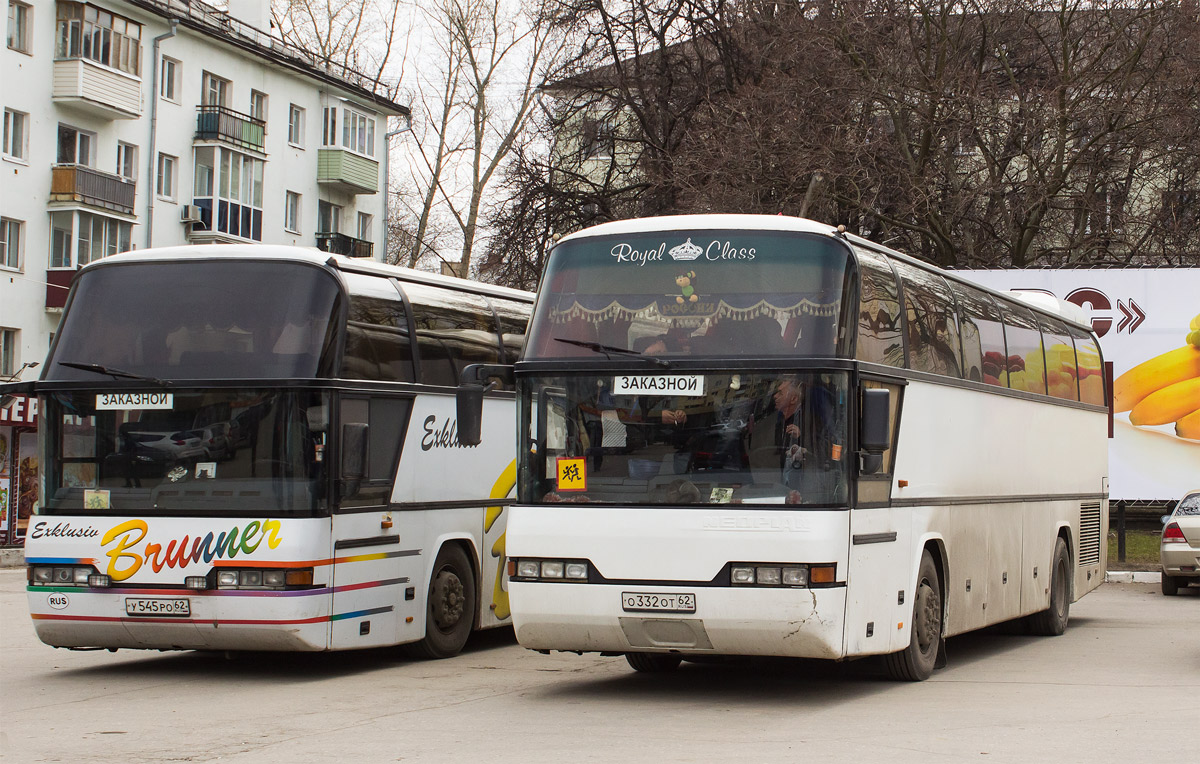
1089, 534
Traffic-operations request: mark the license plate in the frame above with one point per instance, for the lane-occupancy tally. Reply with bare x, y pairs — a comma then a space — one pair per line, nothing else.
651, 602
144, 606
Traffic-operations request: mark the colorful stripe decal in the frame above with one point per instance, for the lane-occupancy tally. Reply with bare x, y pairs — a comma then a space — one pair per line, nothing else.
247, 562
176, 593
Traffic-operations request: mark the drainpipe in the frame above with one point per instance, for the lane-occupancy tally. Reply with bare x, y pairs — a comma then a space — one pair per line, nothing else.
406, 126
153, 160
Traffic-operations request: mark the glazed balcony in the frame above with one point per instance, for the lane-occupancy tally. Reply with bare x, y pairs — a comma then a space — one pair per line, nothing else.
346, 171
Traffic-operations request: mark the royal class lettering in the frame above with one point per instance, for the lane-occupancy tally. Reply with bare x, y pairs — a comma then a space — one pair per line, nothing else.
689, 385
122, 401
43, 530
127, 554
724, 250
624, 253
715, 251
445, 436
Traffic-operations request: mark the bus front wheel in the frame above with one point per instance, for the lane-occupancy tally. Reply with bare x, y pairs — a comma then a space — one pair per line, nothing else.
653, 662
1053, 620
450, 608
915, 663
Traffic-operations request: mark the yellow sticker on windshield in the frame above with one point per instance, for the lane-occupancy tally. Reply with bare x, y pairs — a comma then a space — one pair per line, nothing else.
572, 474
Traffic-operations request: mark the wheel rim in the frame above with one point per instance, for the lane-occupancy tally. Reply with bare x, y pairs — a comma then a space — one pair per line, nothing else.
448, 600
928, 617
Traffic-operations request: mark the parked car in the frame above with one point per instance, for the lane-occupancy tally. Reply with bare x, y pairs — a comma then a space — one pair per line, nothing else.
1179, 550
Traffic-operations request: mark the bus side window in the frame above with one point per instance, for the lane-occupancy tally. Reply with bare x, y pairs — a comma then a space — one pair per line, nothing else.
879, 338
1062, 373
387, 419
454, 329
982, 335
876, 488
1026, 362
1091, 369
377, 341
932, 325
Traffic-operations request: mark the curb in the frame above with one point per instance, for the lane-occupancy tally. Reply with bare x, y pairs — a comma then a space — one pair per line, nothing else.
1133, 577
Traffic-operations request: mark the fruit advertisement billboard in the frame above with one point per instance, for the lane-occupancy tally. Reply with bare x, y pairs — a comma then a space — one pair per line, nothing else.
1148, 321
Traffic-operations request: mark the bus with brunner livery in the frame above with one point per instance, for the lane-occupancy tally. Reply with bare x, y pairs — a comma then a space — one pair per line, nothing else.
255, 448
749, 435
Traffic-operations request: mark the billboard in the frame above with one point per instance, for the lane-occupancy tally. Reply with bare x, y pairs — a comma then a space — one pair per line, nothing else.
1142, 316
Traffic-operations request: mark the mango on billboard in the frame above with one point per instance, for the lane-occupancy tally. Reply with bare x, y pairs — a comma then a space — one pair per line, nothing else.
1148, 322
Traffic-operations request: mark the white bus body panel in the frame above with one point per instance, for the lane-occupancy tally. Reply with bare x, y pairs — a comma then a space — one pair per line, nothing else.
654, 544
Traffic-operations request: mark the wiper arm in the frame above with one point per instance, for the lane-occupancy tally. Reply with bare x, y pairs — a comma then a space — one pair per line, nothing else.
606, 349
114, 373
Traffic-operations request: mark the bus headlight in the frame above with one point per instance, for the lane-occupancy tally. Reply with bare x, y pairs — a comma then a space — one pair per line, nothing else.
549, 570
264, 579
752, 574
60, 575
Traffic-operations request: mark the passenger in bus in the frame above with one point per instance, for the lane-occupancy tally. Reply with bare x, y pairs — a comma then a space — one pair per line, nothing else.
795, 439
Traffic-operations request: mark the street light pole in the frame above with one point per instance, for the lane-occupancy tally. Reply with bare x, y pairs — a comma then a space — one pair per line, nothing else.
387, 162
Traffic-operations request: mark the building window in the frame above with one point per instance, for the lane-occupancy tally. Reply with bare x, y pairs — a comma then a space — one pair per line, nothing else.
16, 134
85, 31
19, 17
364, 226
296, 125
258, 105
10, 243
76, 146
329, 217
291, 212
598, 139
8, 352
166, 176
88, 235
168, 87
216, 91
229, 192
127, 160
357, 133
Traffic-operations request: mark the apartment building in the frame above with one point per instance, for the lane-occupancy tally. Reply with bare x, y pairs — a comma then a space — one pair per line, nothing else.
138, 123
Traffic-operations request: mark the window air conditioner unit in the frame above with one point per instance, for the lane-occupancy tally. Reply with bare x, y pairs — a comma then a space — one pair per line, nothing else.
189, 213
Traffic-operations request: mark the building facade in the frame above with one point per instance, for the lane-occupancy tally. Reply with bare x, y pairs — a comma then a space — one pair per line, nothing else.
138, 123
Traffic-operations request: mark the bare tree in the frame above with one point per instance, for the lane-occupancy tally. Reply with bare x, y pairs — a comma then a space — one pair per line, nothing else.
356, 36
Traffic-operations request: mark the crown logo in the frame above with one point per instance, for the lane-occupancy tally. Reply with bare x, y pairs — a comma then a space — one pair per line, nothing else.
686, 251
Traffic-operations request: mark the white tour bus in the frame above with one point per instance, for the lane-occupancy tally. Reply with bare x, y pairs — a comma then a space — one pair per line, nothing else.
745, 435
255, 448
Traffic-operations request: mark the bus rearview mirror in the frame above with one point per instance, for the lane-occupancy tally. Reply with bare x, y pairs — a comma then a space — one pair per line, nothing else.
469, 400
874, 430
354, 451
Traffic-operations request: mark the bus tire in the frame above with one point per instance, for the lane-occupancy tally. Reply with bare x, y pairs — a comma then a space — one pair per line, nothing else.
653, 663
1052, 621
450, 607
915, 663
1170, 585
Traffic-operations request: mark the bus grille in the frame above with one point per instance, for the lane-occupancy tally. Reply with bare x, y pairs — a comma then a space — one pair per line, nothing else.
1089, 534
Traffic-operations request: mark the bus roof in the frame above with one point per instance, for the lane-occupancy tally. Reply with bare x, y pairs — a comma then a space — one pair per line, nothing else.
309, 255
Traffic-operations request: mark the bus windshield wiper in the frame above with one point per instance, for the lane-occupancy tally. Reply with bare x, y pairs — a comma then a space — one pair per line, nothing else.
114, 373
606, 349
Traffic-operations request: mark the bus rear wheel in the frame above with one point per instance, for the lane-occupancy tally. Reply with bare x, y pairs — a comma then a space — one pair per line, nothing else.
915, 663
653, 663
450, 608
1053, 620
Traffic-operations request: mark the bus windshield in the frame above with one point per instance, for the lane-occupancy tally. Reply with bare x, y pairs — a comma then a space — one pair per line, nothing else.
686, 439
184, 452
197, 320
723, 293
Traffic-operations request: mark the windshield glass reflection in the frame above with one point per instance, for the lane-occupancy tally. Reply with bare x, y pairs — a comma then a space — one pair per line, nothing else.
682, 439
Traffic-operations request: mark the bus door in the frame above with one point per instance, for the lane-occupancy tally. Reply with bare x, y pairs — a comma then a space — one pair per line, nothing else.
375, 553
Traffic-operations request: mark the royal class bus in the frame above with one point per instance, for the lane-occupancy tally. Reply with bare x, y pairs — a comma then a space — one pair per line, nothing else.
744, 435
255, 448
